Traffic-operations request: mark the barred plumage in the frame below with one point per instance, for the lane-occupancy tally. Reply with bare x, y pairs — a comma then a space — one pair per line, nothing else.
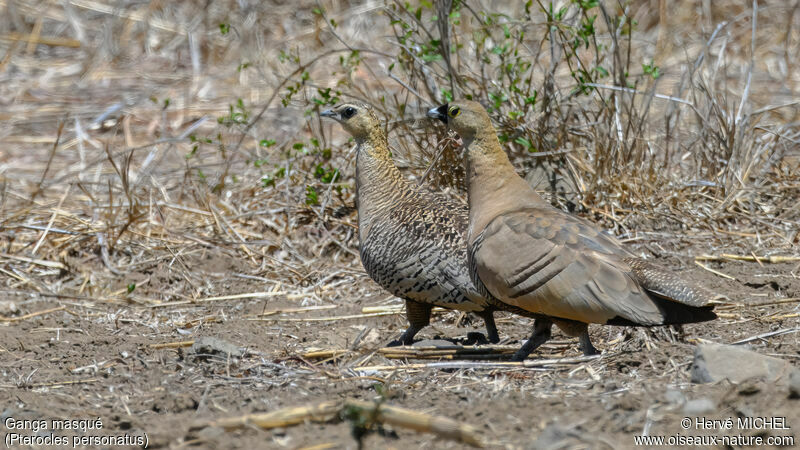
412, 241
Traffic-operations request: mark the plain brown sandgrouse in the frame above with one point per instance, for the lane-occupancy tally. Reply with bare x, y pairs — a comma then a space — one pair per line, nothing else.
536, 259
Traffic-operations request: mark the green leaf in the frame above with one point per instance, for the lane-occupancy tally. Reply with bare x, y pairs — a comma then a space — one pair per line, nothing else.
447, 95
524, 142
651, 69
311, 196
192, 153
224, 28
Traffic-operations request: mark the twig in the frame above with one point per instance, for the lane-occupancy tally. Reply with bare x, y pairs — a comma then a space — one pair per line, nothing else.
223, 298
49, 162
52, 219
750, 258
61, 383
443, 427
367, 412
397, 309
746, 92
178, 344
634, 91
33, 314
409, 88
321, 412
482, 365
715, 272
290, 310
38, 262
766, 335
442, 148
324, 354
321, 319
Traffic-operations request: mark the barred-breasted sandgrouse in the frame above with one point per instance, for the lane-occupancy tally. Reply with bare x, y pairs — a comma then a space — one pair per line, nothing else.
538, 259
412, 241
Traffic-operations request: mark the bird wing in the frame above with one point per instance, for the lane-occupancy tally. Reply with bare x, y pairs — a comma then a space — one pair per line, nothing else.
547, 262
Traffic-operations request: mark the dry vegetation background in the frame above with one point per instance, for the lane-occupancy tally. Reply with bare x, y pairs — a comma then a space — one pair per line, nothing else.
165, 176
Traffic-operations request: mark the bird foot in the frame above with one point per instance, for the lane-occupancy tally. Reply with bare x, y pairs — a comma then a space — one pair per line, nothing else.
395, 343
591, 351
475, 338
520, 356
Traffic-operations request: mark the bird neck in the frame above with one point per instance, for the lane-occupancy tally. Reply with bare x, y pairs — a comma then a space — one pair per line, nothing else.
378, 182
493, 184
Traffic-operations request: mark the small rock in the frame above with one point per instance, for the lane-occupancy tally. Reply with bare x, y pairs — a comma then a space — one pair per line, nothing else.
372, 339
794, 384
8, 308
555, 437
699, 406
211, 433
208, 345
715, 362
674, 396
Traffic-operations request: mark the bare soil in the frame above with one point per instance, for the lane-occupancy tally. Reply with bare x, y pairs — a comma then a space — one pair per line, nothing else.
133, 224
81, 362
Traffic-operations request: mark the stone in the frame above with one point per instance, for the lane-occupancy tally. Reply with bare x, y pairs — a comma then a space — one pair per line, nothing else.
674, 396
699, 406
716, 362
208, 345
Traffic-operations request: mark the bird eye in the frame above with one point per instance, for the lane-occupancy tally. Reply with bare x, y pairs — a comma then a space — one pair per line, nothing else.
454, 111
348, 112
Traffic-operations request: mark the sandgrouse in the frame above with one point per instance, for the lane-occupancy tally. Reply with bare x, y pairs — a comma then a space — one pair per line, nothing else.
541, 261
412, 241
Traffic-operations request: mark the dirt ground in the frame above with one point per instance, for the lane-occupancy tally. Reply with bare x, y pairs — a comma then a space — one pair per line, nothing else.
79, 362
151, 280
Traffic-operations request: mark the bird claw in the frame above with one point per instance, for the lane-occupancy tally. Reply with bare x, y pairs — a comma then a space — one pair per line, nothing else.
519, 356
591, 351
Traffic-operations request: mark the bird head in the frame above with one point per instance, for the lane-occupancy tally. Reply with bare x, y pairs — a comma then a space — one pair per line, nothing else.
357, 119
465, 117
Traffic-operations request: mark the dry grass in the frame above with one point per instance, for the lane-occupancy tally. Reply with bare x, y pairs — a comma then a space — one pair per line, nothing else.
155, 171
101, 103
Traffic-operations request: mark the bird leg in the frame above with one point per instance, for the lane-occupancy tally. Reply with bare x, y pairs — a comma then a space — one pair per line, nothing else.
419, 316
540, 335
491, 329
586, 344
581, 330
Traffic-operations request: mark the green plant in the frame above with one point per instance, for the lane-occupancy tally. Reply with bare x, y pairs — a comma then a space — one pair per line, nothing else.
561, 84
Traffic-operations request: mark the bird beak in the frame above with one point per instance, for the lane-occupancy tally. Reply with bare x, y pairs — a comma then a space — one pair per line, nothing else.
329, 113
439, 113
